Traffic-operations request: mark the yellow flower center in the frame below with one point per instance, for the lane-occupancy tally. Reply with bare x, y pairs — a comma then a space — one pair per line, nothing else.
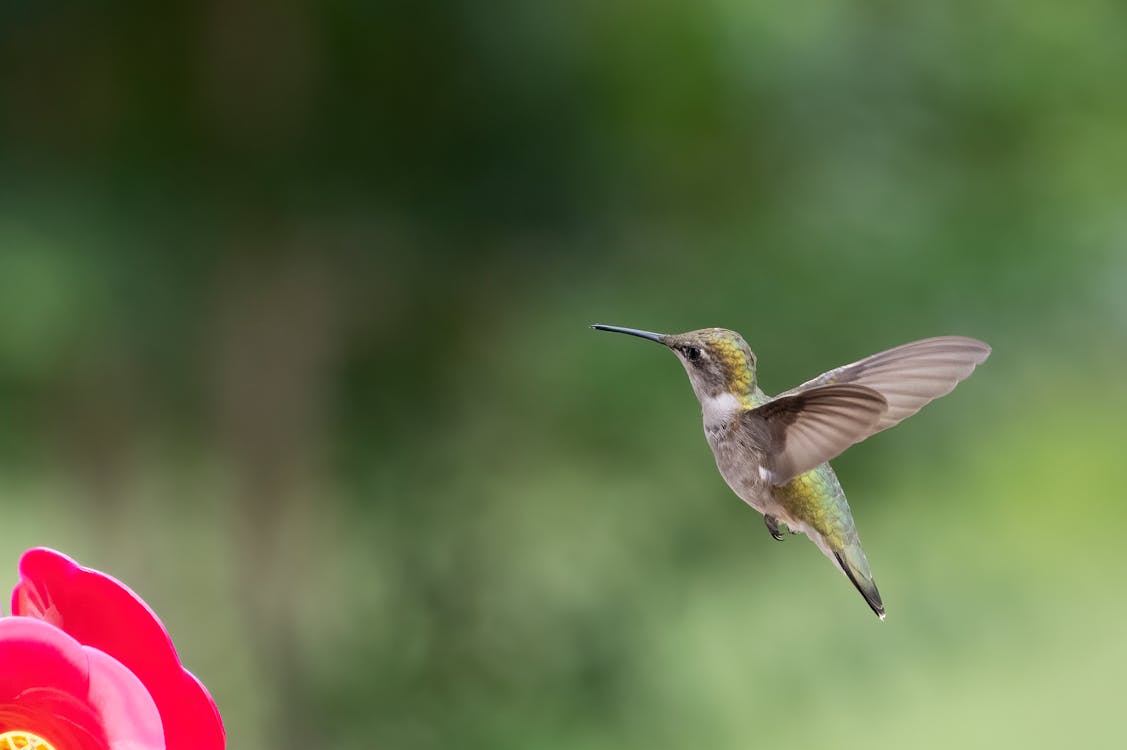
23, 741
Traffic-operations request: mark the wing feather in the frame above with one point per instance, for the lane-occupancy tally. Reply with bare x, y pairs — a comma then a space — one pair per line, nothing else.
909, 376
807, 428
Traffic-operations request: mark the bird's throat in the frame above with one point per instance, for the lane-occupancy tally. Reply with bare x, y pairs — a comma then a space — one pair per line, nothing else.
718, 410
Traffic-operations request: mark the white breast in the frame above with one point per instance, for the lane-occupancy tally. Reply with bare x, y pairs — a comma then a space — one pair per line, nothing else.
718, 410
739, 469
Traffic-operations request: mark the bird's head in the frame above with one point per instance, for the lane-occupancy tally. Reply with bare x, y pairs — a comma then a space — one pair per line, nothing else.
717, 360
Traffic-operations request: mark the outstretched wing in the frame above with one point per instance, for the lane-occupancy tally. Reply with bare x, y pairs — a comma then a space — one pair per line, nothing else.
797, 432
908, 376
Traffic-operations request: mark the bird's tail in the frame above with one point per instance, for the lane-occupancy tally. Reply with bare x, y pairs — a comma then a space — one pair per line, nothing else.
853, 563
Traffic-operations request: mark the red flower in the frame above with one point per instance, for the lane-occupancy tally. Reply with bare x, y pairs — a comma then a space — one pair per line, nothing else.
86, 664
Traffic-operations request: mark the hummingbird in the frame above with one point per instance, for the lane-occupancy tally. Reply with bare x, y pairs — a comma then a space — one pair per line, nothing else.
774, 451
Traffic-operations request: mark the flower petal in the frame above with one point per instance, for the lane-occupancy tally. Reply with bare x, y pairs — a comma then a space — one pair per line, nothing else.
101, 612
129, 715
43, 685
69, 694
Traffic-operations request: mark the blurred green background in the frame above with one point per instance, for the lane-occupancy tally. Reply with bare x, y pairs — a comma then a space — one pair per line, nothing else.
293, 339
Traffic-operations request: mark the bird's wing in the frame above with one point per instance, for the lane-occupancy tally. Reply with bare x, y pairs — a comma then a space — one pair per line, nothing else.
908, 376
799, 431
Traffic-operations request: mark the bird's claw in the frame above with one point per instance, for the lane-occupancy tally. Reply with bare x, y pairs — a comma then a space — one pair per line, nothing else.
773, 526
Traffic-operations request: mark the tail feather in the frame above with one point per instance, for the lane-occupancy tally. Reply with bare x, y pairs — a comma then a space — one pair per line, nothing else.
856, 568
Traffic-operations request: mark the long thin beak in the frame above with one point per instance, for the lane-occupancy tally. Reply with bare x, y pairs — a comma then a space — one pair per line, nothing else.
658, 337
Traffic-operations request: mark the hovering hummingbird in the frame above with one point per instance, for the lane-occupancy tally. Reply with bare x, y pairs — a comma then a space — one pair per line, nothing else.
774, 451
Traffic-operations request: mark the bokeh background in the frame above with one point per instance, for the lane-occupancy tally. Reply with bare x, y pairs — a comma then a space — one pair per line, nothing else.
293, 338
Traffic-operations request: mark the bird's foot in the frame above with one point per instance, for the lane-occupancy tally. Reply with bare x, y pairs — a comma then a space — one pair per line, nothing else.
773, 526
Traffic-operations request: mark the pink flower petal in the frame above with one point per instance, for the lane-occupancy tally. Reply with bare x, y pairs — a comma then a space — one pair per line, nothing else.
69, 694
101, 612
129, 715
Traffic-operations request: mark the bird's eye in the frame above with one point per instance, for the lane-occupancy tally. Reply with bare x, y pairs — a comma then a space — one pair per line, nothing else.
692, 354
